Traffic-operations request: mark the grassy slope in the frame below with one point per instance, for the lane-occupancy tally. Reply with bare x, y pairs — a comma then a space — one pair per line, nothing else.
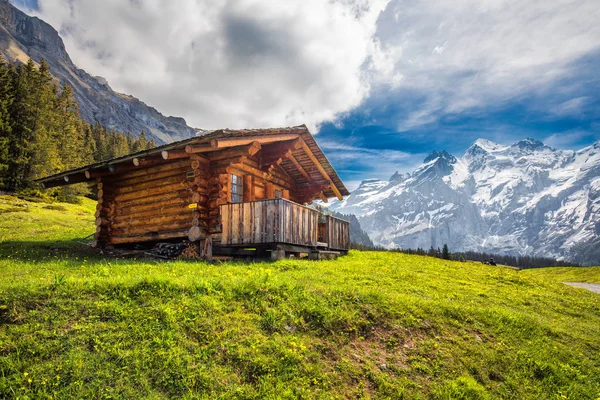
367, 325
587, 275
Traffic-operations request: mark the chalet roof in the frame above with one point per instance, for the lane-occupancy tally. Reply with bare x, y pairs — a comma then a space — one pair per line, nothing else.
307, 157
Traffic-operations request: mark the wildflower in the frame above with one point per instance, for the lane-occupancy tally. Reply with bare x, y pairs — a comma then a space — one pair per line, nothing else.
25, 374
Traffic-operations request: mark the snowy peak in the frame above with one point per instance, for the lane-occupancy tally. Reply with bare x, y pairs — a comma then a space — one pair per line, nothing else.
487, 145
436, 165
529, 144
526, 198
443, 155
397, 177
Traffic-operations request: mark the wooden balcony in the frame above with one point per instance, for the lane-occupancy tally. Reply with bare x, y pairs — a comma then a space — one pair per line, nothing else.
282, 222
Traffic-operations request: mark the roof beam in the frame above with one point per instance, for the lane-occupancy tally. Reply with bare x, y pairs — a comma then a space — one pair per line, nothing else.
201, 148
323, 197
312, 157
300, 168
174, 154
240, 141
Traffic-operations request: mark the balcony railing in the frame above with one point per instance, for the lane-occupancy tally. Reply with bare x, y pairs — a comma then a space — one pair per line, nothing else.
282, 221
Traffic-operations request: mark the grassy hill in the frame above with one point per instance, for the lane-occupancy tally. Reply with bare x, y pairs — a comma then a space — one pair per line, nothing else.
368, 325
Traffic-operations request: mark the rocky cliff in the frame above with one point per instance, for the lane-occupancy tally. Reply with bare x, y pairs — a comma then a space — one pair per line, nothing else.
22, 37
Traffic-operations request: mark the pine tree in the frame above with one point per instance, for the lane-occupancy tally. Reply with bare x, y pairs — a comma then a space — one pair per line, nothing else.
445, 252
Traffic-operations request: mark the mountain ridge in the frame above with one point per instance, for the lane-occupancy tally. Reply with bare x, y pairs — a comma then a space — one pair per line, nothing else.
23, 36
522, 199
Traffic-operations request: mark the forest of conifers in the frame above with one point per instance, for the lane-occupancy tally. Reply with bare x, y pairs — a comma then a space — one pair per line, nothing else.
41, 132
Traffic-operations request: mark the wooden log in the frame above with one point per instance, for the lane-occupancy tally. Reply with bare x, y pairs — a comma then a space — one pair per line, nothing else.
153, 191
206, 251
173, 154
233, 152
195, 233
147, 161
146, 229
199, 198
133, 221
181, 195
224, 163
323, 197
269, 190
248, 188
156, 207
275, 160
276, 149
259, 174
182, 233
164, 211
155, 184
214, 203
262, 139
202, 159
164, 166
157, 176
201, 148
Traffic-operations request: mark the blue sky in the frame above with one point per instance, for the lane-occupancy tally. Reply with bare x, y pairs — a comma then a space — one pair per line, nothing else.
381, 82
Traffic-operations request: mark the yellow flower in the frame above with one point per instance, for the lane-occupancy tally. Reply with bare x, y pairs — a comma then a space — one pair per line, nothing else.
29, 380
25, 373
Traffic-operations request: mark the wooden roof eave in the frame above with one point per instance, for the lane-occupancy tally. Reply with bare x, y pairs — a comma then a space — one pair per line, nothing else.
65, 176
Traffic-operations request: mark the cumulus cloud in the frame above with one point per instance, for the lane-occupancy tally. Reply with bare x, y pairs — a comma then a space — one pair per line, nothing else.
464, 55
237, 63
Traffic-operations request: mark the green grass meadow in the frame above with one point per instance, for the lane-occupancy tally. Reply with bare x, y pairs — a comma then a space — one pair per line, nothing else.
368, 325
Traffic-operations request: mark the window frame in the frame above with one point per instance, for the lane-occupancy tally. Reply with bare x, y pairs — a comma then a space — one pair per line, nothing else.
236, 188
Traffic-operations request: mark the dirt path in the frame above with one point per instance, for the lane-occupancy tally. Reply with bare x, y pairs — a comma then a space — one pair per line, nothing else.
594, 287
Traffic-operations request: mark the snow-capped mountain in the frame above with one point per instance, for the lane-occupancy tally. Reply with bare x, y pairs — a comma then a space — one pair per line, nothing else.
523, 199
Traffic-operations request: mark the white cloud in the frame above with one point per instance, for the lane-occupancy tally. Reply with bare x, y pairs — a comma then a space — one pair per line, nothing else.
570, 139
484, 52
239, 63
363, 163
252, 63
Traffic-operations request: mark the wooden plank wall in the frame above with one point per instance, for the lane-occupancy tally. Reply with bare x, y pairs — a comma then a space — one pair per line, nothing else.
338, 233
269, 222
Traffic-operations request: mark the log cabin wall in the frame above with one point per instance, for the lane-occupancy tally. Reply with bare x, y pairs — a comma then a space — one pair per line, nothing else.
150, 203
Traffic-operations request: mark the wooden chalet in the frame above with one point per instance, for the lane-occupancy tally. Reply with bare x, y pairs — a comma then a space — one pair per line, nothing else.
231, 191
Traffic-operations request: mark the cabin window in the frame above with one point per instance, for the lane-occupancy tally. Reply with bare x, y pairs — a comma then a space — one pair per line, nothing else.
278, 193
237, 189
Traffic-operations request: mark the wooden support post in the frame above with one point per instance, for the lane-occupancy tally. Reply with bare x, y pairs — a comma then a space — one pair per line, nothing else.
248, 186
277, 254
269, 191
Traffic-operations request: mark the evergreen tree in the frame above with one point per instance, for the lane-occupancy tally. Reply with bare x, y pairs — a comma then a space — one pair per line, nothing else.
6, 98
41, 132
445, 252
